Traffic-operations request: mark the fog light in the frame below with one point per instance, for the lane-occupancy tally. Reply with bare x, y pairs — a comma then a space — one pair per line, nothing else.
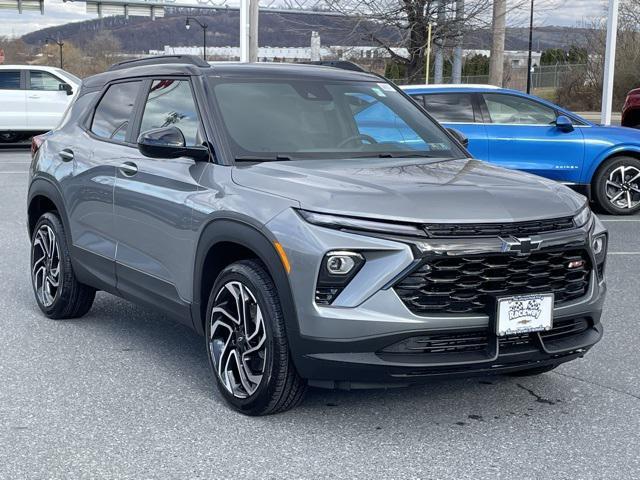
336, 270
598, 245
340, 264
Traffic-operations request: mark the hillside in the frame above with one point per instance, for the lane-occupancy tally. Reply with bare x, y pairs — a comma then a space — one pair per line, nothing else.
139, 34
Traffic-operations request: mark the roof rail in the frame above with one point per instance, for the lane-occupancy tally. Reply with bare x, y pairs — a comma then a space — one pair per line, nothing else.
159, 60
343, 64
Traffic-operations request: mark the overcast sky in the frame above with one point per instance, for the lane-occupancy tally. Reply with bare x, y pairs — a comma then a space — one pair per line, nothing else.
564, 12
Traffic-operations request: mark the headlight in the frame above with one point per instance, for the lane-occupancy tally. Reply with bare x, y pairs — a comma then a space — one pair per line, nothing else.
353, 223
583, 217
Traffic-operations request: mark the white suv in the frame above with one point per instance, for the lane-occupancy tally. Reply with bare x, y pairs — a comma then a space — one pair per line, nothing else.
33, 99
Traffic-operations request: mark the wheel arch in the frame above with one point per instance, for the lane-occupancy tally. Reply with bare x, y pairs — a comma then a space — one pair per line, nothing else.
621, 151
225, 240
44, 197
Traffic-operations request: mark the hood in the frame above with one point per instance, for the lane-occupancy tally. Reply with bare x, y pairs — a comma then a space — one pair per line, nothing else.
413, 190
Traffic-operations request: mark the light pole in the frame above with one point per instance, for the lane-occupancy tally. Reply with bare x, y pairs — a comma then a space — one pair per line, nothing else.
57, 42
530, 48
204, 27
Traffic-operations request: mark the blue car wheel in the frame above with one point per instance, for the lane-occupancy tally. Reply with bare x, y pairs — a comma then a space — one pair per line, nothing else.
617, 186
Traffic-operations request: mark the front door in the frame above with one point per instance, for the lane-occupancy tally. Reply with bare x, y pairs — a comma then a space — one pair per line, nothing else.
522, 135
153, 209
46, 102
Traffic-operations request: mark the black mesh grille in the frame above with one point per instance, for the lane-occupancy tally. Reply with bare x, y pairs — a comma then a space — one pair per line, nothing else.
470, 284
517, 229
442, 343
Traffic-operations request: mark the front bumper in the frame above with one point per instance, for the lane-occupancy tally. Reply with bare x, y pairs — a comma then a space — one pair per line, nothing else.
346, 345
368, 363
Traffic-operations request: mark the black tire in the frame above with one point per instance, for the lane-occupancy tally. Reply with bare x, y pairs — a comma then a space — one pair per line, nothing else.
72, 299
530, 372
600, 186
280, 387
10, 137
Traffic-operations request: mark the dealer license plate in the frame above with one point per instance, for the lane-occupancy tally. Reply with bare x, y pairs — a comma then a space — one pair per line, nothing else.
524, 313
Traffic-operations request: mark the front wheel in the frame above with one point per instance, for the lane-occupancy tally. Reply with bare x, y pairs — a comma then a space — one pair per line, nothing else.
247, 344
617, 186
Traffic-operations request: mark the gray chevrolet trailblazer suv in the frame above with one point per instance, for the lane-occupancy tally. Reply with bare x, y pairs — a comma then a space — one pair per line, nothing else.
314, 224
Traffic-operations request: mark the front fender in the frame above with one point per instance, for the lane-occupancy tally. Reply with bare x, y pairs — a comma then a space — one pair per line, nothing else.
244, 231
617, 150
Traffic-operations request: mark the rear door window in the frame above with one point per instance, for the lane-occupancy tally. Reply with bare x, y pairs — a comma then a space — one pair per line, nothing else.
450, 107
9, 80
114, 112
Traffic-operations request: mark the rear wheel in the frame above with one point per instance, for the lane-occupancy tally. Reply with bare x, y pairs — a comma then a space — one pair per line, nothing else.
617, 186
58, 292
247, 343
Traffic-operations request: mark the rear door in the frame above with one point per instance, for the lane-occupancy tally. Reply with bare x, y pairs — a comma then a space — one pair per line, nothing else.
46, 102
459, 110
13, 99
153, 211
522, 135
95, 152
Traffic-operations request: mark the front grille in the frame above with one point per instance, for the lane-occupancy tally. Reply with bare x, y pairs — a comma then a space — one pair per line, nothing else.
470, 284
478, 340
517, 229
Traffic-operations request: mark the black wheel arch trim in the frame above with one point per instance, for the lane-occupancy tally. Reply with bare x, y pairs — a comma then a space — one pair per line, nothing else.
246, 232
43, 187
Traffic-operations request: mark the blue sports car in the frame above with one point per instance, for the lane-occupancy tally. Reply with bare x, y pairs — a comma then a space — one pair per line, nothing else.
527, 133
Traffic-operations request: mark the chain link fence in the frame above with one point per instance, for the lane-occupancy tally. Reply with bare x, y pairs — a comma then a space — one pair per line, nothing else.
546, 76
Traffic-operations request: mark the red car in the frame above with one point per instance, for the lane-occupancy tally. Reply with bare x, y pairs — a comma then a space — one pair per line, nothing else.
631, 109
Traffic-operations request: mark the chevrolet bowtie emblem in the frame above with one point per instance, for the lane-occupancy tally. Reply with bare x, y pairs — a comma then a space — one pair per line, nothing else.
520, 246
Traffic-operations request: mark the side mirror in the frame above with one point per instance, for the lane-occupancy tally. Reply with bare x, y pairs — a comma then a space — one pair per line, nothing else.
65, 87
459, 136
168, 142
564, 123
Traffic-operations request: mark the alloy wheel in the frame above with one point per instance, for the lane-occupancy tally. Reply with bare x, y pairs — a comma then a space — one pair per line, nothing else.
237, 342
623, 187
45, 269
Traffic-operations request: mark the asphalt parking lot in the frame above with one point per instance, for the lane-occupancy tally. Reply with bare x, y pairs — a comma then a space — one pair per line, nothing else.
126, 393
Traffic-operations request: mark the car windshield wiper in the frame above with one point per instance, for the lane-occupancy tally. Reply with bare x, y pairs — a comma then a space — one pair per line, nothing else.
406, 155
257, 158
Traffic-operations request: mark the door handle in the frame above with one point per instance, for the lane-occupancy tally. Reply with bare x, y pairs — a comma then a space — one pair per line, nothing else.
34, 96
66, 155
128, 169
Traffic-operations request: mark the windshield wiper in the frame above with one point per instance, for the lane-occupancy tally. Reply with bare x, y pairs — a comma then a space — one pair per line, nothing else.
257, 158
405, 155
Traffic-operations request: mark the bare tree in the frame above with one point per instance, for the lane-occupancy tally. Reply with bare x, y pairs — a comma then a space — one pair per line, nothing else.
411, 19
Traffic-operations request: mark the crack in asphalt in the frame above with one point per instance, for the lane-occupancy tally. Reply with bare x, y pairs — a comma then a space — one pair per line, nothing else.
607, 387
538, 398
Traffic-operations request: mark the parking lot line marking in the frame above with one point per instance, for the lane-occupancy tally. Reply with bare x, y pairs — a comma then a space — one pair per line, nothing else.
623, 253
622, 220
24, 171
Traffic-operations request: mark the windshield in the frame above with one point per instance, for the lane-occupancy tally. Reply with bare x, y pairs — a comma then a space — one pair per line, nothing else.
276, 119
